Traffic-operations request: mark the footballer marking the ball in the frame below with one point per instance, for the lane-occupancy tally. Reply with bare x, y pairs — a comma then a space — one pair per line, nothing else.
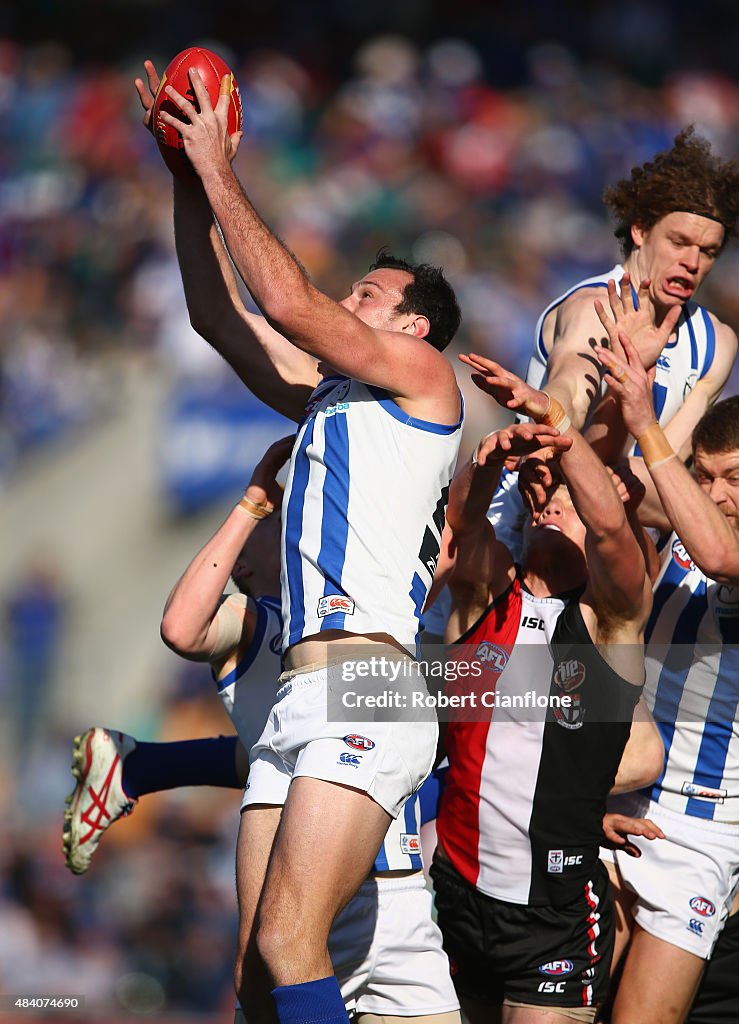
211, 69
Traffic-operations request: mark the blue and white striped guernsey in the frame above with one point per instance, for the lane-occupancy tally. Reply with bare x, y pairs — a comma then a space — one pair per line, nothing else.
248, 695
682, 362
693, 688
362, 515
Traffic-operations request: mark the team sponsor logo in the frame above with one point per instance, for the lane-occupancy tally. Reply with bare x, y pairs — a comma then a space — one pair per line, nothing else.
556, 968
727, 601
696, 927
690, 383
571, 717
663, 362
334, 603
557, 861
681, 556
410, 843
354, 760
275, 644
492, 656
357, 742
702, 906
531, 622
588, 976
333, 410
569, 675
703, 792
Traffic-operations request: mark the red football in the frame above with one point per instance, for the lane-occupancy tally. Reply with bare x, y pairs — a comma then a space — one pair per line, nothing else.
212, 69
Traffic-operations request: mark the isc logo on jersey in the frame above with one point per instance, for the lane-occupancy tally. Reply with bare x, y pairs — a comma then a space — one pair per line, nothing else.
556, 968
681, 556
492, 656
357, 742
702, 906
334, 603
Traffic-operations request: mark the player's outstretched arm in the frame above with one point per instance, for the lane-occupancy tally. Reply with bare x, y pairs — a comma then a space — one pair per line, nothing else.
617, 582
290, 302
274, 370
196, 622
708, 536
483, 567
679, 430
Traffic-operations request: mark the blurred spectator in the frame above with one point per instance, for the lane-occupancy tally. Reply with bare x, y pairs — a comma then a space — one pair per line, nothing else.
34, 612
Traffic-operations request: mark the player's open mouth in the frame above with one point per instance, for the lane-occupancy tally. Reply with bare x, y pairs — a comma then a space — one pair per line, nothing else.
679, 287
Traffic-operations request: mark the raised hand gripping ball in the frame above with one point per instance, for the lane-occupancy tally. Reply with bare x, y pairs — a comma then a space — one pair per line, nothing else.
212, 69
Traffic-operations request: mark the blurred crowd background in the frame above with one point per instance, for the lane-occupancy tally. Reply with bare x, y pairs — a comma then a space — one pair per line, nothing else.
475, 135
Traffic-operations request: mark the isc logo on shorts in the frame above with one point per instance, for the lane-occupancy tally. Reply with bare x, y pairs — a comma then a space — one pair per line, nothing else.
702, 906
334, 603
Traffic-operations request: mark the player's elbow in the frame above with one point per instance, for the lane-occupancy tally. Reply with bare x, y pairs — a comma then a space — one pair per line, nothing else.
719, 563
178, 637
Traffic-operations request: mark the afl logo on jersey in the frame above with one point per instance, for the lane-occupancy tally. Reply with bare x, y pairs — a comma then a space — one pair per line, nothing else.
681, 556
357, 742
569, 675
492, 656
702, 906
556, 968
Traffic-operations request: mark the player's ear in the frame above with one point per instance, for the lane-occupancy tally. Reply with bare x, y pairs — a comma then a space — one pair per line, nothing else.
637, 235
419, 326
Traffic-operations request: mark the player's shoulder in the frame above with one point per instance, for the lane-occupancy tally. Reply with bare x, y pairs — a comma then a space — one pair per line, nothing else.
725, 335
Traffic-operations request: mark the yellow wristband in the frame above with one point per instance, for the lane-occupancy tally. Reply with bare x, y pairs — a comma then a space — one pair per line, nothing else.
555, 416
252, 509
655, 447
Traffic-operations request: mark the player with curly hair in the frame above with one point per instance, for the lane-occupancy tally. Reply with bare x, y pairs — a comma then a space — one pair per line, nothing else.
674, 215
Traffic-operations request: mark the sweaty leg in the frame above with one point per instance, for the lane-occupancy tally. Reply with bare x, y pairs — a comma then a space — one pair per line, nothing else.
658, 983
325, 846
256, 835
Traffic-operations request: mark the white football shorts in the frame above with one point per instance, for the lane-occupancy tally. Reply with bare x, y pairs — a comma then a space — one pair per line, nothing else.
684, 883
388, 760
